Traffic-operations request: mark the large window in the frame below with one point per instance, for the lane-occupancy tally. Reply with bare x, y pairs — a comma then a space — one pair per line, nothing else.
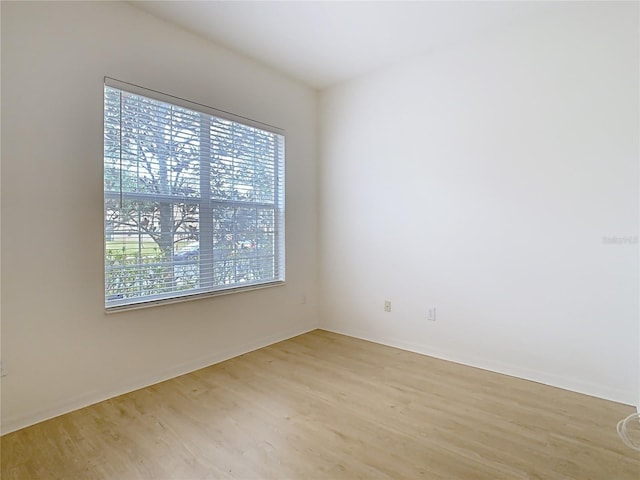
193, 199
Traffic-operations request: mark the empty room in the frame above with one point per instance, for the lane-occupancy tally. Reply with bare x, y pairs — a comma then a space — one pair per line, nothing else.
300, 240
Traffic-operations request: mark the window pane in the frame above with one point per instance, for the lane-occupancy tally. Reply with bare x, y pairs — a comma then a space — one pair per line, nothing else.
242, 163
244, 244
162, 237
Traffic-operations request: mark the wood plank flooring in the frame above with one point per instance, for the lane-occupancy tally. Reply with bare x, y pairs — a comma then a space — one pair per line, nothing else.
328, 406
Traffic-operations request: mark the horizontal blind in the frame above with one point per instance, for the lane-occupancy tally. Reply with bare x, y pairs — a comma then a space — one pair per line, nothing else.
194, 202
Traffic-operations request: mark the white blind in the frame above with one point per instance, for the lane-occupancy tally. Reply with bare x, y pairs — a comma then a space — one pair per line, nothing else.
193, 201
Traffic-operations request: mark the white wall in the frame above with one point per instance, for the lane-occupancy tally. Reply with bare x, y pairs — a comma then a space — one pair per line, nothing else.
481, 180
60, 350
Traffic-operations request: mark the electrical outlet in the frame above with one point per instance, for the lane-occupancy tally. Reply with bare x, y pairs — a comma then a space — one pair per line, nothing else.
431, 314
387, 305
303, 299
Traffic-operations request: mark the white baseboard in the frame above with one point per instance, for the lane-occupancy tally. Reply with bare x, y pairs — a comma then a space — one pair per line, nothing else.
21, 421
18, 422
545, 378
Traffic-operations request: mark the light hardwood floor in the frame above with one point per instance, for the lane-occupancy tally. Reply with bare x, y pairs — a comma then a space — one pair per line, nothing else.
323, 405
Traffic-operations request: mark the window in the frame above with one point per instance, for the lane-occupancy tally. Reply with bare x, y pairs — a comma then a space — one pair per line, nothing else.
193, 199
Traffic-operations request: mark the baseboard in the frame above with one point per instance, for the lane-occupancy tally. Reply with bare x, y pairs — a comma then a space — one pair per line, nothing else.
545, 378
18, 422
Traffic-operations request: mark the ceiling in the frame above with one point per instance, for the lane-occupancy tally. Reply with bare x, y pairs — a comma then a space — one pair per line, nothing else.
325, 43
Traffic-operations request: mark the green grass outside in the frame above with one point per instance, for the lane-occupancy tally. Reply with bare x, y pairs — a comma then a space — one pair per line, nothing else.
130, 246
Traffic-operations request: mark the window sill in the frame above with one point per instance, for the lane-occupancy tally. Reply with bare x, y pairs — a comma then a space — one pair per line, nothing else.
189, 298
